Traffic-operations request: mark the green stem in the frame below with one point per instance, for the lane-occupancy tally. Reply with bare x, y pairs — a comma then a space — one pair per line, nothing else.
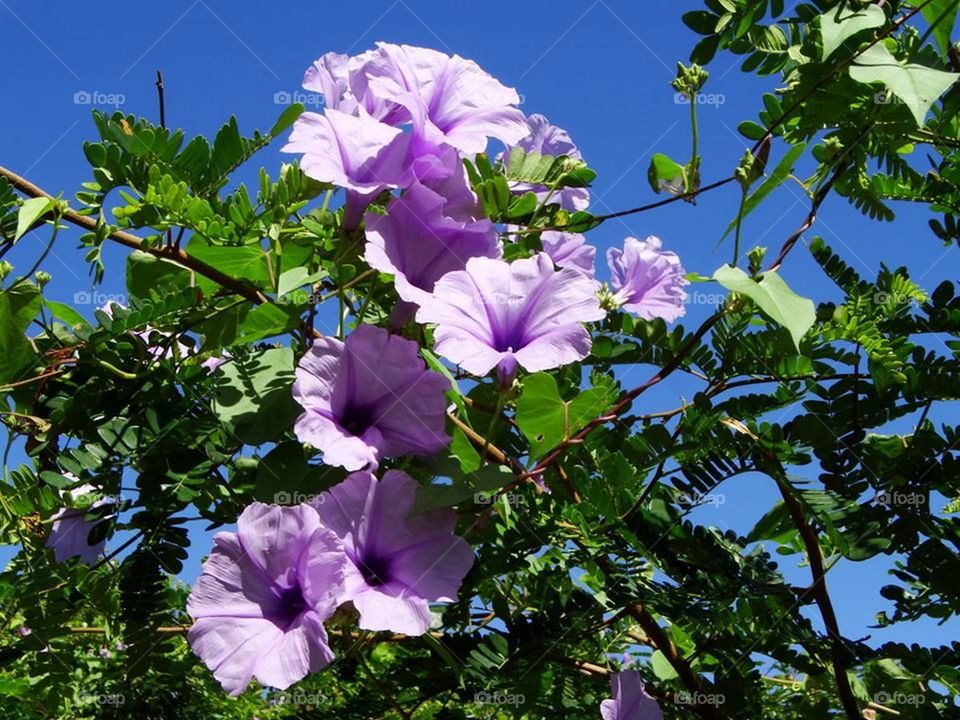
494, 419
695, 128
736, 238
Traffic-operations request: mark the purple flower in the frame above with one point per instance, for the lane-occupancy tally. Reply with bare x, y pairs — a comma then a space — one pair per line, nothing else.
570, 250
398, 563
461, 104
70, 531
630, 700
329, 76
546, 139
647, 281
263, 595
358, 153
418, 242
495, 314
369, 398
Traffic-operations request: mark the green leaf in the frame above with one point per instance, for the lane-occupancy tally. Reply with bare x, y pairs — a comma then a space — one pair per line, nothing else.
244, 262
661, 666
473, 487
64, 312
942, 16
751, 130
666, 174
297, 277
546, 419
31, 211
19, 305
838, 26
253, 395
287, 118
146, 272
916, 85
774, 297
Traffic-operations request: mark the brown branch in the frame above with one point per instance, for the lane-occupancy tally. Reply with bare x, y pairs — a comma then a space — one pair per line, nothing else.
658, 636
818, 589
174, 254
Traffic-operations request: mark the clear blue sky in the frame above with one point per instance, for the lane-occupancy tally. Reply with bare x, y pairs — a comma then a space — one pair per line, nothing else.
599, 69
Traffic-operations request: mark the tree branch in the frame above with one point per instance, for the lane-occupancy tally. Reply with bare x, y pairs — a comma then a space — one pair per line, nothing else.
129, 240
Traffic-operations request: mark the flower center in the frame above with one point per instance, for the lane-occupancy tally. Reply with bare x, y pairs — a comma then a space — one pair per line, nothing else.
358, 419
289, 607
375, 570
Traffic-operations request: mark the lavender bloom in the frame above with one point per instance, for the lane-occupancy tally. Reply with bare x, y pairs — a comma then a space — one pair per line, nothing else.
263, 595
70, 531
398, 564
647, 281
546, 139
418, 242
495, 314
358, 153
570, 250
330, 77
630, 700
369, 398
462, 104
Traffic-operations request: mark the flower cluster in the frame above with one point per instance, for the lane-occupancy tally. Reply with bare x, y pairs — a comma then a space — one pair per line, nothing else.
266, 590
398, 124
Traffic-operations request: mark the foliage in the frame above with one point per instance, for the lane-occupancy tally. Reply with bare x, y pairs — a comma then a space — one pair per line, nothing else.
579, 502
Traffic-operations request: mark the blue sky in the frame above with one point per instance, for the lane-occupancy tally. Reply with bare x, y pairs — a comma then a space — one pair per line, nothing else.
599, 69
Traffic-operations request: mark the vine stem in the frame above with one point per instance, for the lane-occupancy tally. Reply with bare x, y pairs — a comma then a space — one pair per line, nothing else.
818, 589
130, 240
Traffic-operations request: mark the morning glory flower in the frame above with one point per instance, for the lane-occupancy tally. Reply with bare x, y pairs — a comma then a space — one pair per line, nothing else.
462, 104
398, 563
418, 242
356, 152
495, 314
330, 77
70, 530
647, 281
630, 700
369, 398
546, 139
570, 250
263, 595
